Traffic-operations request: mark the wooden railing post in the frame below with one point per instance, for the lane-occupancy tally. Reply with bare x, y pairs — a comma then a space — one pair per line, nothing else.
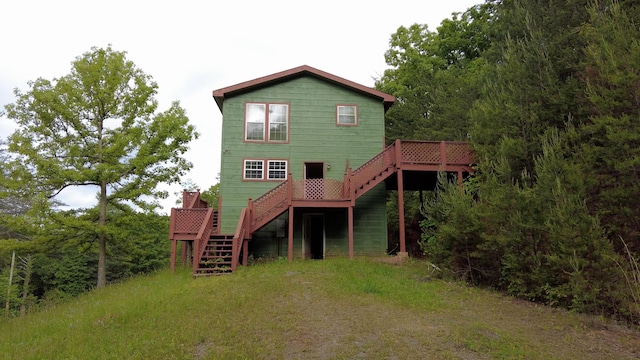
352, 187
172, 221
443, 155
398, 153
249, 220
290, 189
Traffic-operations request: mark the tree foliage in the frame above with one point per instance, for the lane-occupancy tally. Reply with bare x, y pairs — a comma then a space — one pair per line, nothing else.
550, 104
97, 127
435, 76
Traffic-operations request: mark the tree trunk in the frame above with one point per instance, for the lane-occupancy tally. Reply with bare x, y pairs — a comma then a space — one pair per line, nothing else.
28, 269
102, 240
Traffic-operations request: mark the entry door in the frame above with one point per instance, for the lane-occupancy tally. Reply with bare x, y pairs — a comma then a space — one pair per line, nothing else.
313, 180
313, 236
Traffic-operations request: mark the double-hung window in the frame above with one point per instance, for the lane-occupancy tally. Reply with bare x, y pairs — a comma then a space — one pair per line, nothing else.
277, 170
266, 122
254, 169
347, 115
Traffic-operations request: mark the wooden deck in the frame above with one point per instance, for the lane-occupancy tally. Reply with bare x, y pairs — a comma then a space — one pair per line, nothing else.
402, 158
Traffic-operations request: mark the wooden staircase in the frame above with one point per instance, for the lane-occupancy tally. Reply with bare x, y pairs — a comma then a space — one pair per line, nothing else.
217, 257
220, 253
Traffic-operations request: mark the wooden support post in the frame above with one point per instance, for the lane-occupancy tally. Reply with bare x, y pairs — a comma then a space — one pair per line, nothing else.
172, 220
173, 255
290, 234
245, 252
183, 253
460, 179
196, 254
403, 245
350, 224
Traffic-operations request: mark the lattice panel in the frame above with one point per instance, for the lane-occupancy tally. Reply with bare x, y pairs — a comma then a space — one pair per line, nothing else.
317, 189
189, 221
373, 167
459, 153
187, 198
421, 152
273, 198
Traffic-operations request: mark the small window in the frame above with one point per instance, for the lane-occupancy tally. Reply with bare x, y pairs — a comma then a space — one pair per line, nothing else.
277, 170
347, 115
254, 169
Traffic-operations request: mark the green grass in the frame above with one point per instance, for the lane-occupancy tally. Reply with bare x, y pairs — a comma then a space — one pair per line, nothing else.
331, 309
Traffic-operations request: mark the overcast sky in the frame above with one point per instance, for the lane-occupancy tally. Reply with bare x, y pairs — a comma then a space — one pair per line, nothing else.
191, 48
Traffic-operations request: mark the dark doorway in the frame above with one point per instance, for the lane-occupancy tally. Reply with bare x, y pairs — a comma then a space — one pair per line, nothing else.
313, 170
313, 181
313, 239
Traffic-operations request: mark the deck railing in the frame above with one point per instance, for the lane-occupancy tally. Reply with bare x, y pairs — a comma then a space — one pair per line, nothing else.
271, 204
188, 222
371, 168
202, 238
238, 237
435, 152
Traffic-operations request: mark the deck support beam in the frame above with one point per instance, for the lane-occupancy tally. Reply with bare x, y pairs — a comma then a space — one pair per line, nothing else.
173, 255
350, 224
403, 245
290, 234
183, 253
245, 252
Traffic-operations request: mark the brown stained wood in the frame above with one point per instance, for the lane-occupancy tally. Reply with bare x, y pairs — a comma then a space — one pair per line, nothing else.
404, 157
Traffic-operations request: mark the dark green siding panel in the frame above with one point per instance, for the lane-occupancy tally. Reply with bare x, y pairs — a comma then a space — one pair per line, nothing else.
370, 223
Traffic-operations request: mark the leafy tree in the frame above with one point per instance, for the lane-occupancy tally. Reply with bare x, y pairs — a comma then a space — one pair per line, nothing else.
435, 76
97, 127
211, 195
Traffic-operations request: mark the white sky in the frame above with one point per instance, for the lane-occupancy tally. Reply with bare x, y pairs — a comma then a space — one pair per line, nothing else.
191, 48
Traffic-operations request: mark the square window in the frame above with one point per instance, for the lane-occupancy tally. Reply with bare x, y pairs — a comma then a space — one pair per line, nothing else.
277, 170
347, 115
254, 169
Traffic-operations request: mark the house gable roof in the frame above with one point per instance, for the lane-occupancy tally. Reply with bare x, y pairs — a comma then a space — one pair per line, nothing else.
299, 71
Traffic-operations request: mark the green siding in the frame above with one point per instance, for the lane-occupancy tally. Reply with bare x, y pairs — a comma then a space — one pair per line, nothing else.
313, 137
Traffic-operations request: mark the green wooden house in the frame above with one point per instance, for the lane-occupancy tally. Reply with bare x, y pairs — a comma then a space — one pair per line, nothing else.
304, 173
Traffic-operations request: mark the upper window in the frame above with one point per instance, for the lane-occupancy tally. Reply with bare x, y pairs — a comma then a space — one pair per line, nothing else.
268, 122
347, 115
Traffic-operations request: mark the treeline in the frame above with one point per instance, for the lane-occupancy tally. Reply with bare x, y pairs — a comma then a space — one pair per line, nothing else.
548, 94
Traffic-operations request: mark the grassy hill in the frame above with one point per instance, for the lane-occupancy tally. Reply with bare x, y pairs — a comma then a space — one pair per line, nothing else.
331, 309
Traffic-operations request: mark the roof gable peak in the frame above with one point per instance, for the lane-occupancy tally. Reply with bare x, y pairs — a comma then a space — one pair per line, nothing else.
303, 70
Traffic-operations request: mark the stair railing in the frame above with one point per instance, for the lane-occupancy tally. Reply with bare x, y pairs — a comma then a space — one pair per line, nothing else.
238, 237
202, 238
367, 171
270, 204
